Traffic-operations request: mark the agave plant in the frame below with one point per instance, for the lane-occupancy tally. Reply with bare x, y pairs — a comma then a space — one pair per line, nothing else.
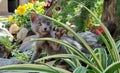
99, 61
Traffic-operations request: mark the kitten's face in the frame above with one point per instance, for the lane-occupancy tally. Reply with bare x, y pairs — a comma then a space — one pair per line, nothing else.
40, 25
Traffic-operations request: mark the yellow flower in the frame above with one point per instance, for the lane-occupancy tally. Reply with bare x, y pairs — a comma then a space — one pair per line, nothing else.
25, 5
39, 8
29, 5
11, 19
21, 10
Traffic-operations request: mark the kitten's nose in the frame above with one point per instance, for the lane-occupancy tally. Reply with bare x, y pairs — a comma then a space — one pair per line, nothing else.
45, 29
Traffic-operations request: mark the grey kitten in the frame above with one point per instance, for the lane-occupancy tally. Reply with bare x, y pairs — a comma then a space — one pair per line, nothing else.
43, 28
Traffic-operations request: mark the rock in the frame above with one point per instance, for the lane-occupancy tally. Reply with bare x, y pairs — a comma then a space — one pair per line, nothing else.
89, 37
13, 29
72, 42
4, 62
22, 34
4, 32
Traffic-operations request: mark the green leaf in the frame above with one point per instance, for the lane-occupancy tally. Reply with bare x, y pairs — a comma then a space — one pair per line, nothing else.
102, 56
58, 56
71, 63
118, 45
69, 56
80, 69
33, 68
91, 71
112, 68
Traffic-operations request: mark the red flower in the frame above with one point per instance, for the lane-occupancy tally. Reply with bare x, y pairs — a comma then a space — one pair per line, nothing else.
47, 5
99, 31
58, 8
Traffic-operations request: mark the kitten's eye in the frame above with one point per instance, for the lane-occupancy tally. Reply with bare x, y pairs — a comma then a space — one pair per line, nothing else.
39, 24
48, 23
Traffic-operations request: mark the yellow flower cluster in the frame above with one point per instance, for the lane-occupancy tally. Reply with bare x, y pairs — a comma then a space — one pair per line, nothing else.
28, 6
22, 13
23, 8
11, 19
40, 8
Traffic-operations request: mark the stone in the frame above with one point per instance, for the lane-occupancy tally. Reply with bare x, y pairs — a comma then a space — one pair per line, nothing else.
21, 35
72, 42
89, 37
4, 32
13, 29
4, 62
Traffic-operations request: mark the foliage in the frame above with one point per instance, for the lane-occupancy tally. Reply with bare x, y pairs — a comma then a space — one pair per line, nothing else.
13, 48
118, 11
99, 61
6, 42
74, 13
118, 19
80, 69
97, 10
25, 56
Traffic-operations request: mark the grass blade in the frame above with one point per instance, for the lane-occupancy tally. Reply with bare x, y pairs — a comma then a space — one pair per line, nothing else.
113, 67
69, 56
33, 68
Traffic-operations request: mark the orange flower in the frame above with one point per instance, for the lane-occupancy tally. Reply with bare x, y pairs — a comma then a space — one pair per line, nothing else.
21, 10
11, 19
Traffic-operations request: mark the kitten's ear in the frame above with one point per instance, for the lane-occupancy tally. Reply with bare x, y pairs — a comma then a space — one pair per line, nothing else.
52, 5
33, 15
49, 12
